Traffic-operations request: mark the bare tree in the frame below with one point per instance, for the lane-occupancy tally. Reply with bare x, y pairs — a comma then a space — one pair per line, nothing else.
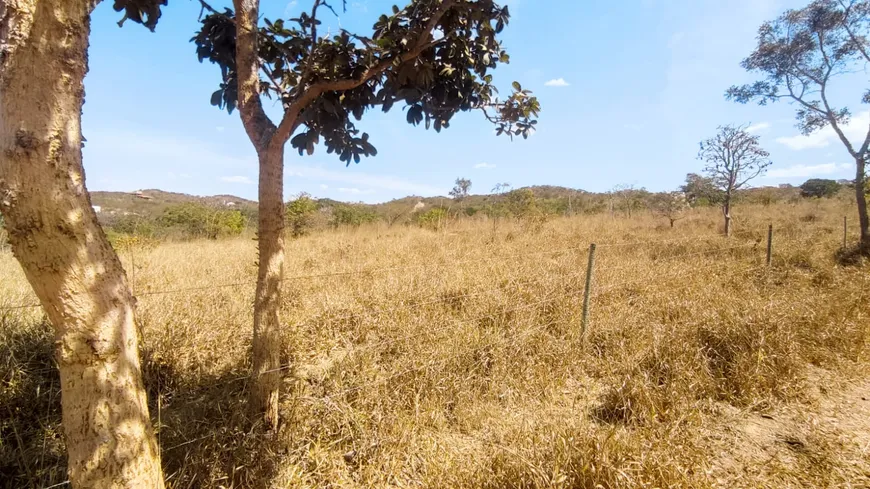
433, 56
54, 234
733, 158
800, 54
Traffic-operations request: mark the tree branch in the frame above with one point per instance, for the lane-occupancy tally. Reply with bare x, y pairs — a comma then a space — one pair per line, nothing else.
290, 122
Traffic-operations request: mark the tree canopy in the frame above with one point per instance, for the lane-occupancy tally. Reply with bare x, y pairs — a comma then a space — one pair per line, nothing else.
432, 56
798, 55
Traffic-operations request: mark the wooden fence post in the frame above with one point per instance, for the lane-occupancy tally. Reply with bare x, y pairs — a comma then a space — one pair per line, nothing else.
588, 290
769, 243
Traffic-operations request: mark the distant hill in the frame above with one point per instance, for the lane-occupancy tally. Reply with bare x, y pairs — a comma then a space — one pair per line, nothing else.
152, 202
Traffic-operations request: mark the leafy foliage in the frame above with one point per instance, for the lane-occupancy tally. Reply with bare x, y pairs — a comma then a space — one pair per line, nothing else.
820, 187
460, 190
145, 12
299, 213
432, 56
199, 221
799, 53
433, 219
700, 191
353, 215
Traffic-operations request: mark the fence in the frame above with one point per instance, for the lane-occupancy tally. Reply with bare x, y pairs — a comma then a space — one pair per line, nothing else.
590, 268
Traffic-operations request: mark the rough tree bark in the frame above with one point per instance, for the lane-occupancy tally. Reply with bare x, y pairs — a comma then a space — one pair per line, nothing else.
726, 211
65, 255
267, 345
860, 185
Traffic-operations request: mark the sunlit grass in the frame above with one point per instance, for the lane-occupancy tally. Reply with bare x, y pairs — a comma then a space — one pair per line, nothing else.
455, 359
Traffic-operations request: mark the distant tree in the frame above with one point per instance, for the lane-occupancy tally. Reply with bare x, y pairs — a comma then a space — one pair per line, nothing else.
521, 203
434, 57
733, 158
670, 205
299, 214
66, 256
630, 198
700, 190
820, 187
460, 190
800, 54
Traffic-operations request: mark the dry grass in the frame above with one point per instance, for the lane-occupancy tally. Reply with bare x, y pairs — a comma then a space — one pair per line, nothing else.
455, 359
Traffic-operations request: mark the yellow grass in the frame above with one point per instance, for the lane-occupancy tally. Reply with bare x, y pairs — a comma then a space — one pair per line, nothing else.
455, 359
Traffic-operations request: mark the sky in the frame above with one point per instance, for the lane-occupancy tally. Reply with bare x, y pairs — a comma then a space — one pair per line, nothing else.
628, 90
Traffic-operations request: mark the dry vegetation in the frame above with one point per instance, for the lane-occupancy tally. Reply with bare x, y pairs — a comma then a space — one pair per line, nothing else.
455, 359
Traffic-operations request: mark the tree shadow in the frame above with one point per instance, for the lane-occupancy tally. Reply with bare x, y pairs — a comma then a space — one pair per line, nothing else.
853, 256
205, 437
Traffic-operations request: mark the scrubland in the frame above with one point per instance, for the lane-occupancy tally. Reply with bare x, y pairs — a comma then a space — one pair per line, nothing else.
456, 358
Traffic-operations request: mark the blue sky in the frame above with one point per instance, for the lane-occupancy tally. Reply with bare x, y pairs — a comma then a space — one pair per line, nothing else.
628, 90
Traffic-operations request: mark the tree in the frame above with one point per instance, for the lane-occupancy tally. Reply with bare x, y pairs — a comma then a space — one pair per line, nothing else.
733, 158
670, 205
434, 56
460, 190
820, 187
521, 203
799, 54
629, 196
700, 190
55, 236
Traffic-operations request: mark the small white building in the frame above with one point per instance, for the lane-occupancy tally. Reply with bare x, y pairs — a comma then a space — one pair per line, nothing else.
97, 209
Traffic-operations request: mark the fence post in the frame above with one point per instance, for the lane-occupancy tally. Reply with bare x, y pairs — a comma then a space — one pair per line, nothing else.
588, 290
769, 243
844, 232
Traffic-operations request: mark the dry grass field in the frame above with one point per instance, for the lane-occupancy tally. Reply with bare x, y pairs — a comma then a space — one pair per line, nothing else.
455, 359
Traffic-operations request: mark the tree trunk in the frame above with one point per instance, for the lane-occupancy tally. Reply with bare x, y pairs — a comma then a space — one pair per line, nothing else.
726, 210
267, 330
860, 183
55, 236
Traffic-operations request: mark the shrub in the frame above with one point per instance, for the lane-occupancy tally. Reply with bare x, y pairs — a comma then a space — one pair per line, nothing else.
299, 215
433, 219
199, 221
352, 215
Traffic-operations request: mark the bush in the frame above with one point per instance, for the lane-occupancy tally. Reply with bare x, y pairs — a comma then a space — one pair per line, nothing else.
199, 221
352, 215
433, 219
299, 215
820, 187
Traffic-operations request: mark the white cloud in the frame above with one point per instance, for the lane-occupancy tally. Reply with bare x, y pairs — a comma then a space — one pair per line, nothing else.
355, 191
485, 166
557, 82
237, 179
324, 186
805, 171
855, 131
288, 10
758, 127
